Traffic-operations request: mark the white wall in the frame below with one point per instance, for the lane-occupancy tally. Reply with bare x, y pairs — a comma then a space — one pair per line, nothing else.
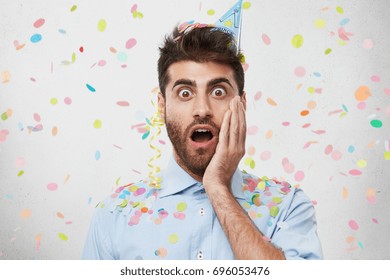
38, 223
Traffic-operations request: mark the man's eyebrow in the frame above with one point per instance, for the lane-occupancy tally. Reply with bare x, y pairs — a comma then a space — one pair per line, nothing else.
218, 81
186, 82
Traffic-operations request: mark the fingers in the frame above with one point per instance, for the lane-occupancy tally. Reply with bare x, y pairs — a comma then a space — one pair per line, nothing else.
237, 124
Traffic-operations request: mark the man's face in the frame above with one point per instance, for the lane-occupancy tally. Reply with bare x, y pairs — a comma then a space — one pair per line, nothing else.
196, 99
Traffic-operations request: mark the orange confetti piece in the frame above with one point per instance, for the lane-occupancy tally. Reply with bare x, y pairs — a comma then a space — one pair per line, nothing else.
362, 93
26, 213
54, 131
269, 134
345, 193
60, 215
305, 113
113, 50
271, 102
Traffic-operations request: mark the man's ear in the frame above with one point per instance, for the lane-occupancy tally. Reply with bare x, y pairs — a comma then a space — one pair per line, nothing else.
243, 99
161, 105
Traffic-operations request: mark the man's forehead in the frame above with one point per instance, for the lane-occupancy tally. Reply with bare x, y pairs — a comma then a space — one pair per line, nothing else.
199, 72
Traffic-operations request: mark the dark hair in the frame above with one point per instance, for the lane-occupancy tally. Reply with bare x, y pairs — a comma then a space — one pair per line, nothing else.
200, 44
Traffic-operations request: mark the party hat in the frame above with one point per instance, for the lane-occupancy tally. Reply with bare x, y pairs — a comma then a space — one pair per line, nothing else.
231, 21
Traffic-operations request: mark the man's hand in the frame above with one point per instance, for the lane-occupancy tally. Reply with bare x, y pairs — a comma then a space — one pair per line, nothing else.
230, 148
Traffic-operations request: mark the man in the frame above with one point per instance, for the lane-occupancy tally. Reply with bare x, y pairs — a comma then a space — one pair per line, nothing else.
206, 208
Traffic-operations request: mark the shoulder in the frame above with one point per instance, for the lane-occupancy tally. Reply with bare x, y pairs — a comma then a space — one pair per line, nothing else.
129, 198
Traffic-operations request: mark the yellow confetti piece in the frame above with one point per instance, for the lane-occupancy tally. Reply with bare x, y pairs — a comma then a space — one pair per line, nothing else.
340, 10
246, 5
361, 163
386, 155
156, 122
297, 41
181, 206
261, 185
97, 124
53, 101
211, 12
102, 25
328, 51
319, 23
173, 238
21, 172
63, 236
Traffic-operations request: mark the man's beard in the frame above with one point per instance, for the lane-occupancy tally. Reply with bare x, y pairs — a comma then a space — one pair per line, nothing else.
197, 160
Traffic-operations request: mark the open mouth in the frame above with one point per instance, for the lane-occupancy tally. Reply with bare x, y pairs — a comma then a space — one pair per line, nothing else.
202, 135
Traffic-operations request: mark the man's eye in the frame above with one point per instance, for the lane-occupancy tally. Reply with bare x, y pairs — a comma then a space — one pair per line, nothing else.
218, 92
185, 93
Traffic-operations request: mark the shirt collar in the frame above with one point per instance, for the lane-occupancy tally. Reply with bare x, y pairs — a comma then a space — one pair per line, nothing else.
175, 180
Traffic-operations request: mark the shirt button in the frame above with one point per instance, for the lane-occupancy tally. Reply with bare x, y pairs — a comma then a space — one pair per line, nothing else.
199, 256
202, 211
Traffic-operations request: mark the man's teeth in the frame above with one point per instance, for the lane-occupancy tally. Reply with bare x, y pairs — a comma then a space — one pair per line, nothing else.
202, 130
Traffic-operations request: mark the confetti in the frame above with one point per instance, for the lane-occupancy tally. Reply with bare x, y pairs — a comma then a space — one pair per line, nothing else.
97, 155
5, 77
68, 100
320, 23
266, 39
211, 12
297, 41
353, 225
52, 186
300, 71
271, 102
368, 44
340, 10
375, 78
63, 236
131, 43
288, 166
246, 5
266, 155
54, 131
173, 238
39, 22
299, 176
376, 123
26, 213
355, 172
53, 101
3, 135
97, 124
252, 130
102, 25
361, 163
121, 56
362, 93
258, 95
90, 88
182, 206
328, 51
73, 8
371, 195
123, 103
36, 38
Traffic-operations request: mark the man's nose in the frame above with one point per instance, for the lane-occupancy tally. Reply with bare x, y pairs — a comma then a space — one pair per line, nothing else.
202, 107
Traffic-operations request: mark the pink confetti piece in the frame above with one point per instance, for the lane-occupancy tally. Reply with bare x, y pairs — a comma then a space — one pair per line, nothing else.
375, 78
353, 225
319, 132
3, 135
266, 39
252, 130
368, 44
37, 117
258, 95
335, 112
343, 34
131, 43
328, 150
308, 144
371, 195
387, 91
300, 71
68, 100
336, 155
39, 22
299, 176
266, 155
52, 186
133, 8
355, 172
285, 123
306, 125
102, 63
288, 166
375, 221
123, 103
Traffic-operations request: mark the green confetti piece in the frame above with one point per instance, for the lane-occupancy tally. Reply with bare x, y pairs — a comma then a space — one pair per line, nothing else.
297, 41
4, 116
328, 51
73, 57
21, 172
376, 123
117, 181
102, 25
261, 185
124, 203
273, 211
63, 236
74, 7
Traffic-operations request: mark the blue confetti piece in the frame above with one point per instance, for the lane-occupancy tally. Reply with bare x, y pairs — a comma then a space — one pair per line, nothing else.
317, 74
344, 21
36, 38
91, 88
145, 135
62, 31
97, 155
345, 108
351, 149
89, 200
9, 196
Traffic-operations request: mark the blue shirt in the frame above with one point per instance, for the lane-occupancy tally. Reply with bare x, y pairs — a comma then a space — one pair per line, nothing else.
177, 221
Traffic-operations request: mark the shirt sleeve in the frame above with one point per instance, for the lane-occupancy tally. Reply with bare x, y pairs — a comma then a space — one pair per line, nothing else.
297, 234
98, 243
